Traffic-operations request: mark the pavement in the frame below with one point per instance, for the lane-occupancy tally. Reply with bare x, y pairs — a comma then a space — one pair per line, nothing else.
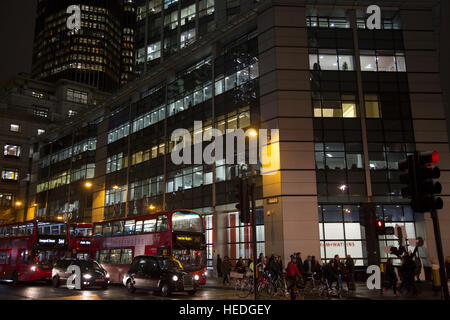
425, 292
213, 290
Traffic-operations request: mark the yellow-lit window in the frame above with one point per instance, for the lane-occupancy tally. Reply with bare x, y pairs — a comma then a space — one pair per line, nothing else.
317, 109
372, 106
348, 110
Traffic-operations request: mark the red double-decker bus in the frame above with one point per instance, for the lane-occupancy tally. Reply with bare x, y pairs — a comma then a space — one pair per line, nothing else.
29, 249
79, 240
179, 233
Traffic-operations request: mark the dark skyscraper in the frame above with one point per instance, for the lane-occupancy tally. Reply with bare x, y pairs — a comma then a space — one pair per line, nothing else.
99, 54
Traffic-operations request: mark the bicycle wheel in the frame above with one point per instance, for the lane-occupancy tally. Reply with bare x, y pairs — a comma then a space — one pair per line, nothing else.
244, 288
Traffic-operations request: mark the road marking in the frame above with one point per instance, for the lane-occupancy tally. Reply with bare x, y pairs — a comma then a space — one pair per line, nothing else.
80, 297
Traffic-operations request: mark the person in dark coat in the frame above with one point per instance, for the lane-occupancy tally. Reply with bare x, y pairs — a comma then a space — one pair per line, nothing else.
391, 277
240, 266
331, 273
219, 266
298, 257
350, 272
274, 269
226, 269
408, 271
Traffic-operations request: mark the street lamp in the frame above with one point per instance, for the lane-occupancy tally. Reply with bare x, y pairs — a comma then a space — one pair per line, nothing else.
18, 203
88, 184
151, 207
253, 133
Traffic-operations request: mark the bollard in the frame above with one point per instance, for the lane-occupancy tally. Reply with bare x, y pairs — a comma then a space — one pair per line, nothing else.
436, 277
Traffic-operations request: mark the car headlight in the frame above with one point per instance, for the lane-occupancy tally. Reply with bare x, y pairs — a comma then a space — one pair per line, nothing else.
87, 276
33, 268
175, 278
196, 277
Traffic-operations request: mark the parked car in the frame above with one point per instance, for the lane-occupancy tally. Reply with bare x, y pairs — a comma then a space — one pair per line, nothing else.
92, 273
160, 274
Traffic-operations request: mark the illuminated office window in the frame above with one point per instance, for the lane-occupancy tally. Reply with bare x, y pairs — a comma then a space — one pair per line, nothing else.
11, 150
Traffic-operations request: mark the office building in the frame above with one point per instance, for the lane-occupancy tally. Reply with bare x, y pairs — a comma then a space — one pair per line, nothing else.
31, 108
349, 103
100, 54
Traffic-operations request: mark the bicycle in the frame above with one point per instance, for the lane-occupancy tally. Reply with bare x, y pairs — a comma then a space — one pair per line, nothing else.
265, 286
280, 287
244, 286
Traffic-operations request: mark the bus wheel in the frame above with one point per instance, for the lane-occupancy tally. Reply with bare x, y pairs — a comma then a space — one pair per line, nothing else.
55, 281
15, 278
165, 290
130, 287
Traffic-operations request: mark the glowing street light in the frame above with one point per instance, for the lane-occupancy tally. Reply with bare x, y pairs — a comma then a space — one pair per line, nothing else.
151, 207
18, 203
253, 133
88, 184
116, 187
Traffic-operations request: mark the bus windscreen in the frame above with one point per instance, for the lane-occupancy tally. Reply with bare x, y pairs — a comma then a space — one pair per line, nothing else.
187, 222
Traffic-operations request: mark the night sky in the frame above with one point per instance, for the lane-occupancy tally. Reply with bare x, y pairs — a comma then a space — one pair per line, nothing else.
16, 37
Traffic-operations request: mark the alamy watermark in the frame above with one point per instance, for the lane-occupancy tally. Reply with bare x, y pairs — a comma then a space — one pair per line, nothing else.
74, 20
263, 147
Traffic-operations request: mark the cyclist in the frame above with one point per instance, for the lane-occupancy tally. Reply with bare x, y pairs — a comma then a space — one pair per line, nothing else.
292, 274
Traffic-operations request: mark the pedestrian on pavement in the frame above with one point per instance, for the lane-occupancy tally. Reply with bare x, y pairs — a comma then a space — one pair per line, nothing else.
391, 277
350, 272
219, 266
331, 274
260, 258
298, 259
226, 269
240, 266
292, 274
418, 269
408, 270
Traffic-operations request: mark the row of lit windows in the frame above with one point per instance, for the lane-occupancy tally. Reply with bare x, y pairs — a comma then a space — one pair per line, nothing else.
344, 23
328, 60
83, 146
6, 199
222, 85
232, 121
347, 108
85, 172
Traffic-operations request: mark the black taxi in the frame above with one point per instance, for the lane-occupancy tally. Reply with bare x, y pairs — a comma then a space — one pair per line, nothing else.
160, 274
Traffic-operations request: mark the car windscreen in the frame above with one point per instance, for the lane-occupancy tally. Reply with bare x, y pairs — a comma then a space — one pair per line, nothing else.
88, 266
169, 264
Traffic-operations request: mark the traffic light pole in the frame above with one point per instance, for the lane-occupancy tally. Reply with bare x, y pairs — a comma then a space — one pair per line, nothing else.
440, 253
255, 251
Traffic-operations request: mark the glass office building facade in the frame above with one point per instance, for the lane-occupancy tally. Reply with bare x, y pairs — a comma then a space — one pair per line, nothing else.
349, 102
100, 54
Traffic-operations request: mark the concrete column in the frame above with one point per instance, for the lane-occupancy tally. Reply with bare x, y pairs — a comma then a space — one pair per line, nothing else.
285, 101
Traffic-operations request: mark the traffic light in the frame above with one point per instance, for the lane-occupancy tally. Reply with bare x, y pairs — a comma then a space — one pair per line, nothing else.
242, 196
382, 229
420, 170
